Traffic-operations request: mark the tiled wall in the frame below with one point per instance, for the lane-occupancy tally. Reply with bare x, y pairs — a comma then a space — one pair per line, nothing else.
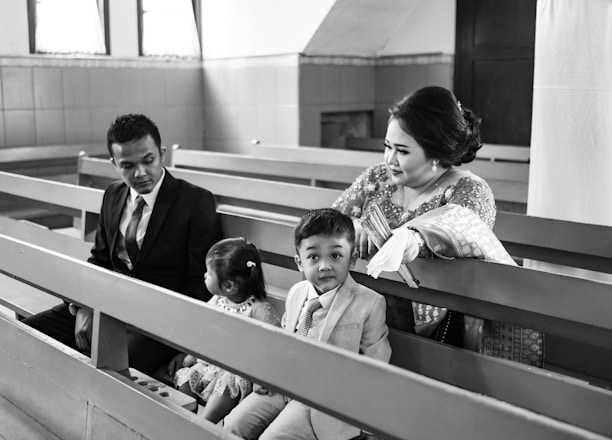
56, 101
340, 84
398, 76
222, 106
254, 98
280, 99
332, 85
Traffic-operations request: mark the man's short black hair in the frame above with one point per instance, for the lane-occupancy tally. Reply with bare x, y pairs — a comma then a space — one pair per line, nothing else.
324, 221
130, 128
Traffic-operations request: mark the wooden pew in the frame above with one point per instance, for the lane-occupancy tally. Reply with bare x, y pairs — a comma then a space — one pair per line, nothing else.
556, 241
47, 160
309, 173
56, 162
341, 371
505, 168
530, 298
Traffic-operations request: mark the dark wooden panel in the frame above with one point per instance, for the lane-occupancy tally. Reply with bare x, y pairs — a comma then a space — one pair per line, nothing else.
502, 92
494, 66
502, 23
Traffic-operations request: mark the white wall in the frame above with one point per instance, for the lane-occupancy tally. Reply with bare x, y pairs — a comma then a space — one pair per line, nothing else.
246, 28
429, 27
14, 37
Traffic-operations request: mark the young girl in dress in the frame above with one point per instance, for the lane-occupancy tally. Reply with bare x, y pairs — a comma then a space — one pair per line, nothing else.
235, 278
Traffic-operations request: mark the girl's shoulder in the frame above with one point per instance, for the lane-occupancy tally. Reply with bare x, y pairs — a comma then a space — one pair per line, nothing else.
262, 310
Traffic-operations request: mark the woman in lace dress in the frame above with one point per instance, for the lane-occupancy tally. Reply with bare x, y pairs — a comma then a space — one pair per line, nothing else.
235, 278
442, 211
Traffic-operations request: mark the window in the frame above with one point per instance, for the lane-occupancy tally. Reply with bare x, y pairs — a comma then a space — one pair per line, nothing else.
168, 28
66, 26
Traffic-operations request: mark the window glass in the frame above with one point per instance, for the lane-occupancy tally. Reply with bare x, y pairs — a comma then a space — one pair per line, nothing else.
169, 29
68, 26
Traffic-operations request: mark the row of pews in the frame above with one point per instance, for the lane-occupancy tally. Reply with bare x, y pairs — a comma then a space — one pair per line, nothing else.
429, 391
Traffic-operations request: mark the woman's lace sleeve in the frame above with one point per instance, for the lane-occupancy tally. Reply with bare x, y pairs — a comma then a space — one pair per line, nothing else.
475, 194
353, 199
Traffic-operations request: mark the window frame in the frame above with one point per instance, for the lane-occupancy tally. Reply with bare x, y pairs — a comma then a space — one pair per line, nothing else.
103, 8
197, 12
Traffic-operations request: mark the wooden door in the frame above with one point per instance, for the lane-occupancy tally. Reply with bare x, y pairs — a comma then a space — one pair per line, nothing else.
494, 66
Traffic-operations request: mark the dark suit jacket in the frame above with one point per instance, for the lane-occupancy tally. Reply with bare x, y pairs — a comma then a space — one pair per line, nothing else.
184, 224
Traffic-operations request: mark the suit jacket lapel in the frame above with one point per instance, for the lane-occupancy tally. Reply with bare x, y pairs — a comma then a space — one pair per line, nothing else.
344, 297
116, 210
165, 199
293, 313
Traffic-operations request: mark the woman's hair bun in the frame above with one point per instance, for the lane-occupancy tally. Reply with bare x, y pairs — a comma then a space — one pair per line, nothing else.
471, 142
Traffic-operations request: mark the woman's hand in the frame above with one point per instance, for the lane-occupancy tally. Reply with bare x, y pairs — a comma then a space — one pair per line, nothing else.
412, 247
175, 364
401, 248
363, 245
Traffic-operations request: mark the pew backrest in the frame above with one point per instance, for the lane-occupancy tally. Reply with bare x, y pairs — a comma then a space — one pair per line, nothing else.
47, 160
505, 168
561, 242
309, 173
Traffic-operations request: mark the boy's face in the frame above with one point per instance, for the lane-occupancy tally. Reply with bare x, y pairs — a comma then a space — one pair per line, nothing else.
325, 260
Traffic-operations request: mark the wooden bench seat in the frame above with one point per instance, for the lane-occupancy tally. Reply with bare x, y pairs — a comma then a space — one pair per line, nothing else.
23, 299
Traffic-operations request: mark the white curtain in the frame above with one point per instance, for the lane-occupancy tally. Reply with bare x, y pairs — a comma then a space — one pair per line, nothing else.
69, 26
169, 29
570, 174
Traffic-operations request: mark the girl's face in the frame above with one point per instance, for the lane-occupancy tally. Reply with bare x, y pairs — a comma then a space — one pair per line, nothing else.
212, 282
405, 158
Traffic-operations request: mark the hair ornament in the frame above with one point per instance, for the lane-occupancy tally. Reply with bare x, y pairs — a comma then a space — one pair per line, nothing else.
250, 264
460, 107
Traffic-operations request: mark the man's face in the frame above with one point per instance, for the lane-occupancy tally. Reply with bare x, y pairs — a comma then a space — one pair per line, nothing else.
139, 163
325, 260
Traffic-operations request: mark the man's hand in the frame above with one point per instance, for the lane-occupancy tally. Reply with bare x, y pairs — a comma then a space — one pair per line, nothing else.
176, 363
189, 361
82, 329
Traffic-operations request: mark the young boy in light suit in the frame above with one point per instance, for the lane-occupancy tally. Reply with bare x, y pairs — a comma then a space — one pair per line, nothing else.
348, 315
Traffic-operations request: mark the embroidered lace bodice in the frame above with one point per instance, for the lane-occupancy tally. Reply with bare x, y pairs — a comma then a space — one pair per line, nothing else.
375, 184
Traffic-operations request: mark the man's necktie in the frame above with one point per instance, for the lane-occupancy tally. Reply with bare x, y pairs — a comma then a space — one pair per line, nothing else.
131, 245
313, 305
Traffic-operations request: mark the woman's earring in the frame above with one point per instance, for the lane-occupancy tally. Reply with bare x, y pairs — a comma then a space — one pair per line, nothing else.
434, 166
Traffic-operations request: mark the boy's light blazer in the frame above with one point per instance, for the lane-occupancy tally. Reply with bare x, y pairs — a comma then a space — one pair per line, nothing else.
355, 321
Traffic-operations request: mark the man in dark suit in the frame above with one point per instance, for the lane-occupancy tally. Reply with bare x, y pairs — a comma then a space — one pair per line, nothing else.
152, 227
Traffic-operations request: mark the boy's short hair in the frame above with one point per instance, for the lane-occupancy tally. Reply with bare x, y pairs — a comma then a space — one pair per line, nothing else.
130, 128
324, 221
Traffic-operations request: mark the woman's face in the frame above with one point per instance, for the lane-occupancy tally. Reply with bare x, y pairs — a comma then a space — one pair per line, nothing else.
405, 158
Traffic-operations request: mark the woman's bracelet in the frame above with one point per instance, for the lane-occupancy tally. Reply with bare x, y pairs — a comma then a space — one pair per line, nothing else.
419, 239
